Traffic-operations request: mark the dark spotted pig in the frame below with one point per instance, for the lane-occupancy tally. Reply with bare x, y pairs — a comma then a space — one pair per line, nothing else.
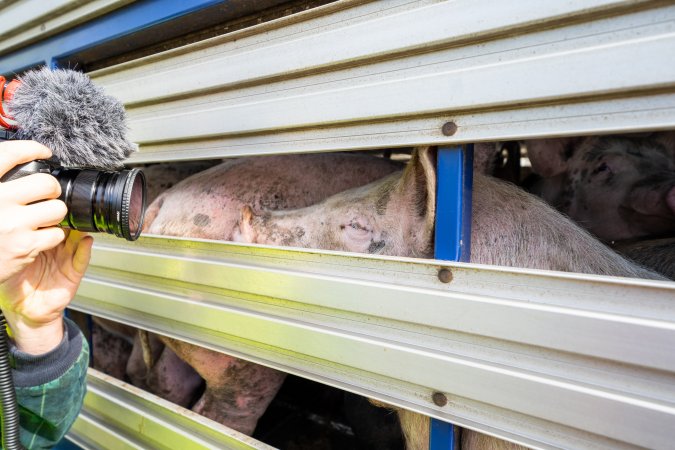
208, 205
395, 216
617, 187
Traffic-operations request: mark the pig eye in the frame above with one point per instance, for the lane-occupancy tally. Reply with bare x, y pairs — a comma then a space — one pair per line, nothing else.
602, 168
356, 230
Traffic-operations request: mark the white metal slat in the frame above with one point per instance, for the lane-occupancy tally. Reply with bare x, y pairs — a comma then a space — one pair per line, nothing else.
338, 98
116, 415
363, 324
28, 21
427, 25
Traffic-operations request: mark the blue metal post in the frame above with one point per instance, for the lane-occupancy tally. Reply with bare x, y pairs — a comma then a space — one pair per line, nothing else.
453, 239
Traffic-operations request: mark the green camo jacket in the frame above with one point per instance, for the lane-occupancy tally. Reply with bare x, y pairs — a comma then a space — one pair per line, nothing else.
50, 388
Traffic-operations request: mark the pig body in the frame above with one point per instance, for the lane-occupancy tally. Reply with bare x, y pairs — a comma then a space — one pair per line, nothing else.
163, 176
395, 216
208, 205
617, 187
657, 254
116, 349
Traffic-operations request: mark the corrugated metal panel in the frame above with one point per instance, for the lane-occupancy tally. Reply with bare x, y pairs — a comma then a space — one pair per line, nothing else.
27, 21
353, 75
358, 74
117, 415
491, 340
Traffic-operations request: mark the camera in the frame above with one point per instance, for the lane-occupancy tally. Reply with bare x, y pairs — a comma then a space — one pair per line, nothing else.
98, 201
85, 129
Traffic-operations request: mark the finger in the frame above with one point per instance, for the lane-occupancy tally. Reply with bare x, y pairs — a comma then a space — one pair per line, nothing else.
44, 214
82, 254
33, 188
47, 238
19, 152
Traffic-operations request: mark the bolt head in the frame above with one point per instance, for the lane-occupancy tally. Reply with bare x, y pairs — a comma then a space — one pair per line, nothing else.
449, 128
439, 399
445, 275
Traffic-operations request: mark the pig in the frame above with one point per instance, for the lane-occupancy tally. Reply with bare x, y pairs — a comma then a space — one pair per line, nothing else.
657, 254
621, 188
617, 187
110, 348
118, 352
116, 348
207, 205
160, 177
396, 215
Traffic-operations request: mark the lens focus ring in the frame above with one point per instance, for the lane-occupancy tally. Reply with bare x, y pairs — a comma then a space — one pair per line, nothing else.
80, 201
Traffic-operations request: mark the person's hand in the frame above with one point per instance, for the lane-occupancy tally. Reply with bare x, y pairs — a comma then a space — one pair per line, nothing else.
41, 265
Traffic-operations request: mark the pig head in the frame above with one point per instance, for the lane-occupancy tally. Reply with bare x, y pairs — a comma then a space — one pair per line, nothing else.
617, 187
392, 216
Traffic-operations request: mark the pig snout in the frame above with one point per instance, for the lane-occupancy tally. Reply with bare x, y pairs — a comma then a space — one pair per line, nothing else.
670, 199
650, 210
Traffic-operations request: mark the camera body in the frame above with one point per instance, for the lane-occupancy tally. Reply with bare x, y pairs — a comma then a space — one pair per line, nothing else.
98, 201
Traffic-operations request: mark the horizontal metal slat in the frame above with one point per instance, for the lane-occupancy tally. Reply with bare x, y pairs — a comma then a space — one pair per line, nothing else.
431, 94
428, 25
649, 112
33, 20
350, 79
116, 415
368, 324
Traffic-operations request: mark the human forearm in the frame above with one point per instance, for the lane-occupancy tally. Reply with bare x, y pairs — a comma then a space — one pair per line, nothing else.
50, 388
34, 338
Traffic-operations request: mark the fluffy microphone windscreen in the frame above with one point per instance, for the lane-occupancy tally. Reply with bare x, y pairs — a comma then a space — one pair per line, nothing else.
67, 112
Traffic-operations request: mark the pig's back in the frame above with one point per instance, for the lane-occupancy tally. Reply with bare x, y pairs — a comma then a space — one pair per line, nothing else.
531, 234
208, 204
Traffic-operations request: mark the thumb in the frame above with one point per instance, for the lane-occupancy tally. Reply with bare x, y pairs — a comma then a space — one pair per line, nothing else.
82, 255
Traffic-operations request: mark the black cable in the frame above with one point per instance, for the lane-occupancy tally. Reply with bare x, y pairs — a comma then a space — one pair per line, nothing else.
9, 409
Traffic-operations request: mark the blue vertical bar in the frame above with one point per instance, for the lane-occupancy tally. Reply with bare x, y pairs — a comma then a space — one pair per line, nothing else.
452, 240
453, 203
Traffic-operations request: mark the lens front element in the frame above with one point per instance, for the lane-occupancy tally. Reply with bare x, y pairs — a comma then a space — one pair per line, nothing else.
133, 204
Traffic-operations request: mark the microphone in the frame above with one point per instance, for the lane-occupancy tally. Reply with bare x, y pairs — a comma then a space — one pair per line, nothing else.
65, 111
87, 133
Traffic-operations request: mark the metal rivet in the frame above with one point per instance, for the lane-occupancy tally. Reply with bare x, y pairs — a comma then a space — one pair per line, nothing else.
449, 128
445, 275
439, 399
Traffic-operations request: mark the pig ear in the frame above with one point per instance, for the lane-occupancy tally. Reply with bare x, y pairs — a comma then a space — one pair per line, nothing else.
549, 156
246, 231
152, 211
418, 185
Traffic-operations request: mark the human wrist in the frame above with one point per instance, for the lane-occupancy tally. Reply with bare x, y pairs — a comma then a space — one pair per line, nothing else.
35, 338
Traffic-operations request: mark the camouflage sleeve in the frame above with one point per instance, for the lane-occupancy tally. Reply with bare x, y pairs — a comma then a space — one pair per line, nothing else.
50, 388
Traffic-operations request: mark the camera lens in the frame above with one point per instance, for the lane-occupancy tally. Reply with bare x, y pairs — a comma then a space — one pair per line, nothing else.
108, 202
